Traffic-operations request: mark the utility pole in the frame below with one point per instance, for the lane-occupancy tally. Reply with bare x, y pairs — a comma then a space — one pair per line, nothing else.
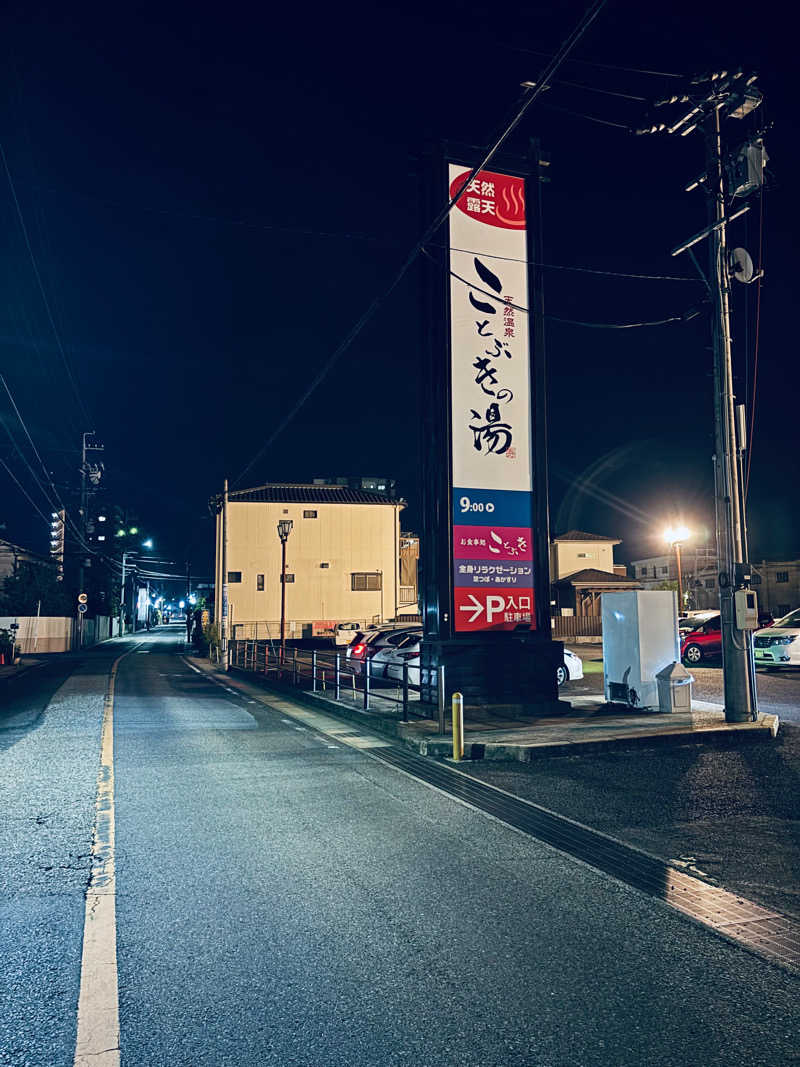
224, 574
737, 645
710, 99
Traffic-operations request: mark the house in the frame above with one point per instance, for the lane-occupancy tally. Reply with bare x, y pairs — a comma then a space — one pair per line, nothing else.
343, 559
582, 568
13, 558
658, 572
777, 582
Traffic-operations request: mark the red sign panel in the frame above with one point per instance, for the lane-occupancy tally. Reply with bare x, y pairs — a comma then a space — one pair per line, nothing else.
490, 608
492, 542
491, 198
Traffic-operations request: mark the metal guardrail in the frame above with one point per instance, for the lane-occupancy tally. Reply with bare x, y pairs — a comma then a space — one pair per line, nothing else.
333, 674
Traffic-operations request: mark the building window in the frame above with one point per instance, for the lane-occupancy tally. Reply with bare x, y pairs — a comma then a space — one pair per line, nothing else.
710, 582
755, 579
665, 570
288, 578
309, 514
324, 566
781, 576
366, 581
234, 576
643, 572
260, 583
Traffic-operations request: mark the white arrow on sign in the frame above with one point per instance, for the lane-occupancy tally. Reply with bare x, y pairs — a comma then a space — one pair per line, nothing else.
475, 607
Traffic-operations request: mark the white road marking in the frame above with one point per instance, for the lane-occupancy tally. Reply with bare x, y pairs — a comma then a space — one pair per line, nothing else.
97, 1040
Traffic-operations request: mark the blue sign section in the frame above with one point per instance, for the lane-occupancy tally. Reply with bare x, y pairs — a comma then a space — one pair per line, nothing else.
491, 507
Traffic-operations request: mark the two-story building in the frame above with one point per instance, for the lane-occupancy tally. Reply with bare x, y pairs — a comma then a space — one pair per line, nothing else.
343, 559
582, 568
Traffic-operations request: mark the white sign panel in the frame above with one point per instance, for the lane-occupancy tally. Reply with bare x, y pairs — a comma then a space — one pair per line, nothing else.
489, 337
492, 496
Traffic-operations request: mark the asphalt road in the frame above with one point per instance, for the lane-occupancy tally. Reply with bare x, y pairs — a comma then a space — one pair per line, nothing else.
283, 898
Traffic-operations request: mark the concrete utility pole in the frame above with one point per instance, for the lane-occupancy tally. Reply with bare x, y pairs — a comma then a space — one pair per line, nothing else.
224, 569
710, 99
737, 645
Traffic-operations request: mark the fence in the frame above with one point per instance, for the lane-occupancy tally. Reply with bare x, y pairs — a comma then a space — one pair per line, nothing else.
577, 626
302, 629
56, 633
354, 683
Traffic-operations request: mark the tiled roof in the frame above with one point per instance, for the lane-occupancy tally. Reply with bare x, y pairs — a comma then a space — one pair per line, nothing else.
292, 493
582, 535
592, 576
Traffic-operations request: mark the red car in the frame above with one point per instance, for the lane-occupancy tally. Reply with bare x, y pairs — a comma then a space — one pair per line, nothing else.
706, 640
703, 642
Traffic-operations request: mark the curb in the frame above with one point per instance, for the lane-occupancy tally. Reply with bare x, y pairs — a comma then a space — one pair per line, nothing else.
440, 748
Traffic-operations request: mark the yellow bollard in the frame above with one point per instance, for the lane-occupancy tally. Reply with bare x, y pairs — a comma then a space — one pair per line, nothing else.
458, 726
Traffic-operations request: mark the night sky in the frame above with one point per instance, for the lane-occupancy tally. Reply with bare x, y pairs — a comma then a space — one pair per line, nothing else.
213, 197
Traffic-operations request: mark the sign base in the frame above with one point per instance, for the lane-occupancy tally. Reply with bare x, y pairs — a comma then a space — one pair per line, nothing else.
518, 674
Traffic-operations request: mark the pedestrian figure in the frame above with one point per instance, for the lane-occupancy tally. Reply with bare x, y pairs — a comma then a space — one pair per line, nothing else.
188, 627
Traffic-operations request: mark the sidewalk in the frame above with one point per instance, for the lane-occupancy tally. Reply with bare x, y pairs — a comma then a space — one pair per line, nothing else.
13, 670
591, 726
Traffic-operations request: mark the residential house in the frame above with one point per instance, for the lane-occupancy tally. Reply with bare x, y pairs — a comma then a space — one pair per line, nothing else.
343, 558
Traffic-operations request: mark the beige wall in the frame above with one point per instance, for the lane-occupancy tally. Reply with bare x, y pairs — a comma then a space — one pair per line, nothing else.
568, 557
348, 537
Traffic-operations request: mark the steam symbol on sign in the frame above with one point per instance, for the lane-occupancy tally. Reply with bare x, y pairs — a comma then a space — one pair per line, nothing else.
497, 539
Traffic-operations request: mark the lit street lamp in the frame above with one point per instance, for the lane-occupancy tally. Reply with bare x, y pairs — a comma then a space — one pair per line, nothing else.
284, 529
675, 536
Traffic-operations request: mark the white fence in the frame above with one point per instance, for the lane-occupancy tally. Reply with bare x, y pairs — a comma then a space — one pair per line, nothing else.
55, 633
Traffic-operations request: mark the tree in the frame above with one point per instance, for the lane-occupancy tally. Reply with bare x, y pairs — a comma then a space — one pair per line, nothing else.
34, 587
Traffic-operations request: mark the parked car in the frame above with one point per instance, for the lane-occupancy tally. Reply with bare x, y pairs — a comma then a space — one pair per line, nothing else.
571, 669
373, 645
705, 641
345, 632
702, 642
408, 651
693, 619
779, 645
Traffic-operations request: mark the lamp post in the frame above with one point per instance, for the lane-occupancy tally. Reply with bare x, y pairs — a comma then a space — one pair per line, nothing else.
675, 536
284, 529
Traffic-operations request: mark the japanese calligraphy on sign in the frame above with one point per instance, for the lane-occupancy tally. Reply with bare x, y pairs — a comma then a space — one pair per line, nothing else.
491, 403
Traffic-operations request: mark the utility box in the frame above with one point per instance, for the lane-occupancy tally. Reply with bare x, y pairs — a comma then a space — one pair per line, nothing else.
640, 638
674, 688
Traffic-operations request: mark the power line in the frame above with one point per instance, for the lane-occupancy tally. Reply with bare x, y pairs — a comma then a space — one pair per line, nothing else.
531, 95
605, 92
46, 302
555, 318
602, 66
616, 325
24, 490
589, 118
582, 270
30, 441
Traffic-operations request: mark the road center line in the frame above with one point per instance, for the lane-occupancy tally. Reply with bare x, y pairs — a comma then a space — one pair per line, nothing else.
97, 1040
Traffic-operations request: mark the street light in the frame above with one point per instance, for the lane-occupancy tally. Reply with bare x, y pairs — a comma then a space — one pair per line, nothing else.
675, 536
284, 529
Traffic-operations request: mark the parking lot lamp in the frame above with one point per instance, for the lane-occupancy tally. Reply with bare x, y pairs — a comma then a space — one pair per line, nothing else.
676, 536
284, 529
